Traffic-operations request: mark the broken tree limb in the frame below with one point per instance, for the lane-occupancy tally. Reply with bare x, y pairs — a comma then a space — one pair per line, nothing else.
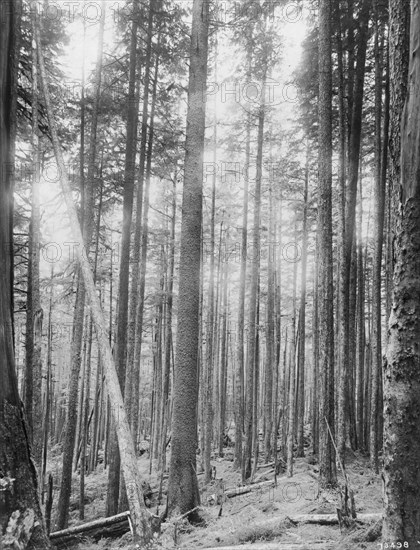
139, 514
247, 489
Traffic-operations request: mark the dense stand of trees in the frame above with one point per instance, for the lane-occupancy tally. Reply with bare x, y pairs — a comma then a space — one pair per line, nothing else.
240, 273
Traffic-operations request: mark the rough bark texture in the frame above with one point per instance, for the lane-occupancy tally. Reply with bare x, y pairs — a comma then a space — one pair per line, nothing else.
327, 472
20, 493
183, 492
253, 302
402, 374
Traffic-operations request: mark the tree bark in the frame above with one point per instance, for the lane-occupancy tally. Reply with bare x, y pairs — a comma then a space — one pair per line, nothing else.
183, 492
33, 374
302, 317
379, 195
20, 492
402, 373
113, 488
253, 299
327, 473
239, 375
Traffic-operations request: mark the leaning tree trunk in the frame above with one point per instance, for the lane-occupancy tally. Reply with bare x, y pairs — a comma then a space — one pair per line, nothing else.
402, 374
327, 471
183, 493
139, 515
19, 495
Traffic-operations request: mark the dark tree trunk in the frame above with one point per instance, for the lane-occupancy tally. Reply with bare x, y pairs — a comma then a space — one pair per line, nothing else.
402, 373
20, 492
327, 471
113, 489
183, 493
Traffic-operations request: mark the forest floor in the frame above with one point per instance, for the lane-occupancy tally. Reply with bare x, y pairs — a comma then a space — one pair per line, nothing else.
241, 519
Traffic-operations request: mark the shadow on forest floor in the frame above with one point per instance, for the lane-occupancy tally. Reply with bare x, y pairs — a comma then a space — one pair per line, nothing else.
246, 518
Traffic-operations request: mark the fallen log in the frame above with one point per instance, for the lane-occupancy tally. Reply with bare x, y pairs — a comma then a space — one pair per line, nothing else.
331, 519
114, 526
317, 545
268, 465
230, 493
319, 519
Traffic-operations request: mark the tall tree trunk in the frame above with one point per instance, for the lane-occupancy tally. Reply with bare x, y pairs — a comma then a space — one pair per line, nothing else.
270, 354
70, 435
402, 375
20, 492
399, 42
361, 330
327, 471
143, 261
33, 377
379, 195
224, 357
239, 375
139, 516
209, 364
302, 317
113, 488
168, 332
353, 171
183, 493
252, 328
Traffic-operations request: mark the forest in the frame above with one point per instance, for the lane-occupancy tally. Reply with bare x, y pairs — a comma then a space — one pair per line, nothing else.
209, 274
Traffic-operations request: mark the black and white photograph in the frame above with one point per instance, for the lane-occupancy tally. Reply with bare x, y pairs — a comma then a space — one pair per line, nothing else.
209, 274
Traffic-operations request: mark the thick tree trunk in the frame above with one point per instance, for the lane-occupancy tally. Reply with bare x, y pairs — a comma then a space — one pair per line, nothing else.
327, 471
183, 492
253, 300
20, 492
140, 517
379, 194
402, 374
